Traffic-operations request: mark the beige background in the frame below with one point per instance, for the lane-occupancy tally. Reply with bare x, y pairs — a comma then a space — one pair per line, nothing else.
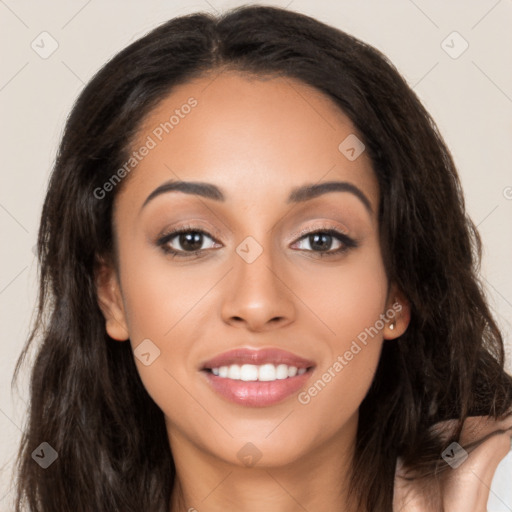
470, 97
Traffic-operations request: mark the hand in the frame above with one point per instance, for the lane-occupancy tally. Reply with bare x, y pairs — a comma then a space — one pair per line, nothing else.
465, 488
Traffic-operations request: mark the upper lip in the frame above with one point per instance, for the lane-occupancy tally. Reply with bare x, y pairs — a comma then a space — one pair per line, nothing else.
257, 357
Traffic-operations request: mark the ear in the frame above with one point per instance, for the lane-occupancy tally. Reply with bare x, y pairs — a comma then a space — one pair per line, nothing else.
398, 311
110, 301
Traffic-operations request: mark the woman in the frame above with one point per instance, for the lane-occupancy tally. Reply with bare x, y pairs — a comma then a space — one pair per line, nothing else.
258, 287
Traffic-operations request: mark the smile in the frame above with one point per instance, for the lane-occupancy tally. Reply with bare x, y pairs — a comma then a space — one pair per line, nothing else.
262, 373
256, 378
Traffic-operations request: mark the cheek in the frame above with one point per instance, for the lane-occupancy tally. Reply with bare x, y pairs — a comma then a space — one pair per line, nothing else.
163, 301
350, 304
346, 299
160, 295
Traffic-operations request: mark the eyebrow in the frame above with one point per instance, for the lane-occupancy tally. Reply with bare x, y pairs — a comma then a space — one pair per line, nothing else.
297, 195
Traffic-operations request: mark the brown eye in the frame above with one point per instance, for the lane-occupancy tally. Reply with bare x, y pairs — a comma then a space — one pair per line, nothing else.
192, 241
321, 241
184, 241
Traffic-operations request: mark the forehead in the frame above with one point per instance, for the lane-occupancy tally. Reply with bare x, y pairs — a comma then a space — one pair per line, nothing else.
255, 138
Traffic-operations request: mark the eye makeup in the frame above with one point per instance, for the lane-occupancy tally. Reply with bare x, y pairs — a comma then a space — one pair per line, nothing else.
194, 235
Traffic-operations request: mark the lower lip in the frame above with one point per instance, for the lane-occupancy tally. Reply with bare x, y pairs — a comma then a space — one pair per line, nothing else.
256, 393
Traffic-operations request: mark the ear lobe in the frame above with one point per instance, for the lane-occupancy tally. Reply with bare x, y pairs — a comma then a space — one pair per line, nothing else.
110, 301
400, 309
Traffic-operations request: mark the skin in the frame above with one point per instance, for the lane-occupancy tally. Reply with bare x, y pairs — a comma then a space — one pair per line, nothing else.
466, 487
256, 140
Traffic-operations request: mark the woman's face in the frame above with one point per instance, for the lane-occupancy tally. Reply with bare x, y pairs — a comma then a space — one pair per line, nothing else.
319, 302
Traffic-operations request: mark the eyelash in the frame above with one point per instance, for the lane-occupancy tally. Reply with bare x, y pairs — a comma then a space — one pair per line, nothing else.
347, 242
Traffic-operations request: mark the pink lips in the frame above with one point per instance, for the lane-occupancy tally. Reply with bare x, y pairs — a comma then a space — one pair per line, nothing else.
257, 357
256, 393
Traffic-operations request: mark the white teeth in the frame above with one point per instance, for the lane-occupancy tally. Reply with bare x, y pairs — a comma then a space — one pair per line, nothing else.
234, 372
248, 372
282, 371
267, 372
292, 371
264, 373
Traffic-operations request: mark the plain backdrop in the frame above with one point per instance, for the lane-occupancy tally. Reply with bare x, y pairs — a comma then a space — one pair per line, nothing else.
464, 80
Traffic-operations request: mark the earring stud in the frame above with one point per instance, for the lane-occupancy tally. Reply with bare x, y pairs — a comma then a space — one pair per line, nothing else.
392, 325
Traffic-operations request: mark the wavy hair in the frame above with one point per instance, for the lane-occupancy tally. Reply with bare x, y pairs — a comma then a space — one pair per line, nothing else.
86, 398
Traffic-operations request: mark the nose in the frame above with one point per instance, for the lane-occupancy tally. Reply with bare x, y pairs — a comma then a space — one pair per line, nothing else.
257, 295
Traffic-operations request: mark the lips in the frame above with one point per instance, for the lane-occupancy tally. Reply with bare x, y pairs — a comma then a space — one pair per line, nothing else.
256, 378
243, 356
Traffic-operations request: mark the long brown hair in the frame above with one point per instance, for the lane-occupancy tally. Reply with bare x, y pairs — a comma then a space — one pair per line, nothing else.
87, 400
